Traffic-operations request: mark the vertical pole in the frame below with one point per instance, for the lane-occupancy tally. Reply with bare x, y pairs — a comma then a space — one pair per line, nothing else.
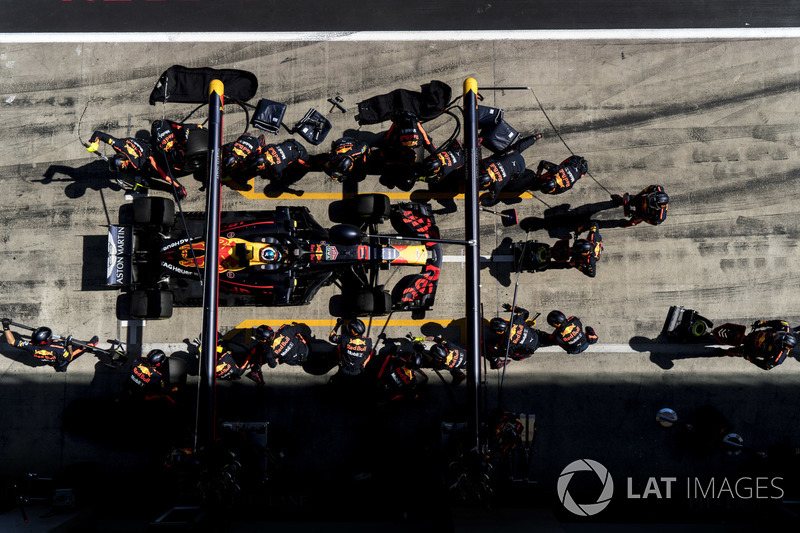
207, 406
473, 295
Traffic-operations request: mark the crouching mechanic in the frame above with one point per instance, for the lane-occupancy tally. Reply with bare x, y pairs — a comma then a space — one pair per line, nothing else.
520, 339
556, 179
289, 346
447, 355
354, 350
436, 168
134, 157
500, 170
649, 206
58, 354
347, 159
767, 345
586, 251
146, 380
569, 333
400, 377
259, 352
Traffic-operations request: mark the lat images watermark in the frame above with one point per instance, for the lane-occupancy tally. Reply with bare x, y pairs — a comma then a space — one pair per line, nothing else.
585, 509
664, 488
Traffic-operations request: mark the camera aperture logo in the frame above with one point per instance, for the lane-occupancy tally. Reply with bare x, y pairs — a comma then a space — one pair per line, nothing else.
585, 509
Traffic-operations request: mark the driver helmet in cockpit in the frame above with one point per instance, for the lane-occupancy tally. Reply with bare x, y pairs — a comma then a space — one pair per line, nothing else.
270, 255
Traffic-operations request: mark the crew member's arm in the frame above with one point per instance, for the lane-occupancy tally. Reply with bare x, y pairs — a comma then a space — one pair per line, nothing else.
9, 336
99, 137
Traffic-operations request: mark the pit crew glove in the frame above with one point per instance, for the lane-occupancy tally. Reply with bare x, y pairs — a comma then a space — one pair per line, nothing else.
758, 324
92, 147
6, 323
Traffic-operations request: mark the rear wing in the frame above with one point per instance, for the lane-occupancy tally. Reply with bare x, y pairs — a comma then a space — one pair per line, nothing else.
120, 251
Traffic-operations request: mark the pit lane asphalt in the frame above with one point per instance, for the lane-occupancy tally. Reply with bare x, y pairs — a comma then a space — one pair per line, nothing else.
714, 121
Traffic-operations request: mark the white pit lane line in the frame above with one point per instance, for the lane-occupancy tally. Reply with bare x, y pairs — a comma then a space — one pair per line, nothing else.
363, 36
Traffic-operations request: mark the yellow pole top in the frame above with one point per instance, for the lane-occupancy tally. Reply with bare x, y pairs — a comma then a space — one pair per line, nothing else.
216, 86
470, 84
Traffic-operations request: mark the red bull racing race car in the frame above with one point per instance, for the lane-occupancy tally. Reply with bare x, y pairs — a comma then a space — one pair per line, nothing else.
280, 257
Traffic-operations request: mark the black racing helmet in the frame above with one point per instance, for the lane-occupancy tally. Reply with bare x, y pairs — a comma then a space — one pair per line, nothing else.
497, 325
484, 180
657, 200
555, 318
431, 166
582, 247
156, 357
263, 333
784, 339
117, 163
260, 162
547, 185
438, 352
41, 335
341, 169
356, 327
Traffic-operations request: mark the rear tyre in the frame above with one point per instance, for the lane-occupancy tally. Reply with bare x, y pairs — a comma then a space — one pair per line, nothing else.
196, 151
151, 305
152, 211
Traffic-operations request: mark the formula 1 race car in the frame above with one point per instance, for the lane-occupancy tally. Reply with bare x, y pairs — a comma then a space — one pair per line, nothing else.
280, 257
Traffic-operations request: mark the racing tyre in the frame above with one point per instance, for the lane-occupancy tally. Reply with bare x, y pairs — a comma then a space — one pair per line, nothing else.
372, 208
151, 211
196, 151
376, 302
177, 372
151, 305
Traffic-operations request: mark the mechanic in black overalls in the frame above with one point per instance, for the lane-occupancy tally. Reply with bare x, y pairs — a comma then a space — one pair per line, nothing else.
146, 379
276, 158
569, 333
500, 170
556, 179
347, 159
289, 346
649, 206
239, 161
42, 346
520, 339
354, 351
437, 167
767, 345
260, 351
586, 251
400, 378
134, 157
447, 355
171, 138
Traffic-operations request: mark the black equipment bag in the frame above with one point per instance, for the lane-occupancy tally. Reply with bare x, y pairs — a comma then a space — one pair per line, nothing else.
499, 136
489, 116
313, 127
268, 115
190, 85
427, 104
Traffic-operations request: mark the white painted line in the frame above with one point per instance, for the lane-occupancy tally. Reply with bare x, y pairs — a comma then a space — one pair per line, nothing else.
359, 36
484, 259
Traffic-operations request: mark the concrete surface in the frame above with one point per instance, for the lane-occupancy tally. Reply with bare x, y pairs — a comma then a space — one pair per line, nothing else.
714, 121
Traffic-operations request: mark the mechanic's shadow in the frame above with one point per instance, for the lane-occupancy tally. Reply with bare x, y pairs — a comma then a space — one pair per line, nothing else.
499, 265
274, 188
560, 220
664, 351
95, 175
